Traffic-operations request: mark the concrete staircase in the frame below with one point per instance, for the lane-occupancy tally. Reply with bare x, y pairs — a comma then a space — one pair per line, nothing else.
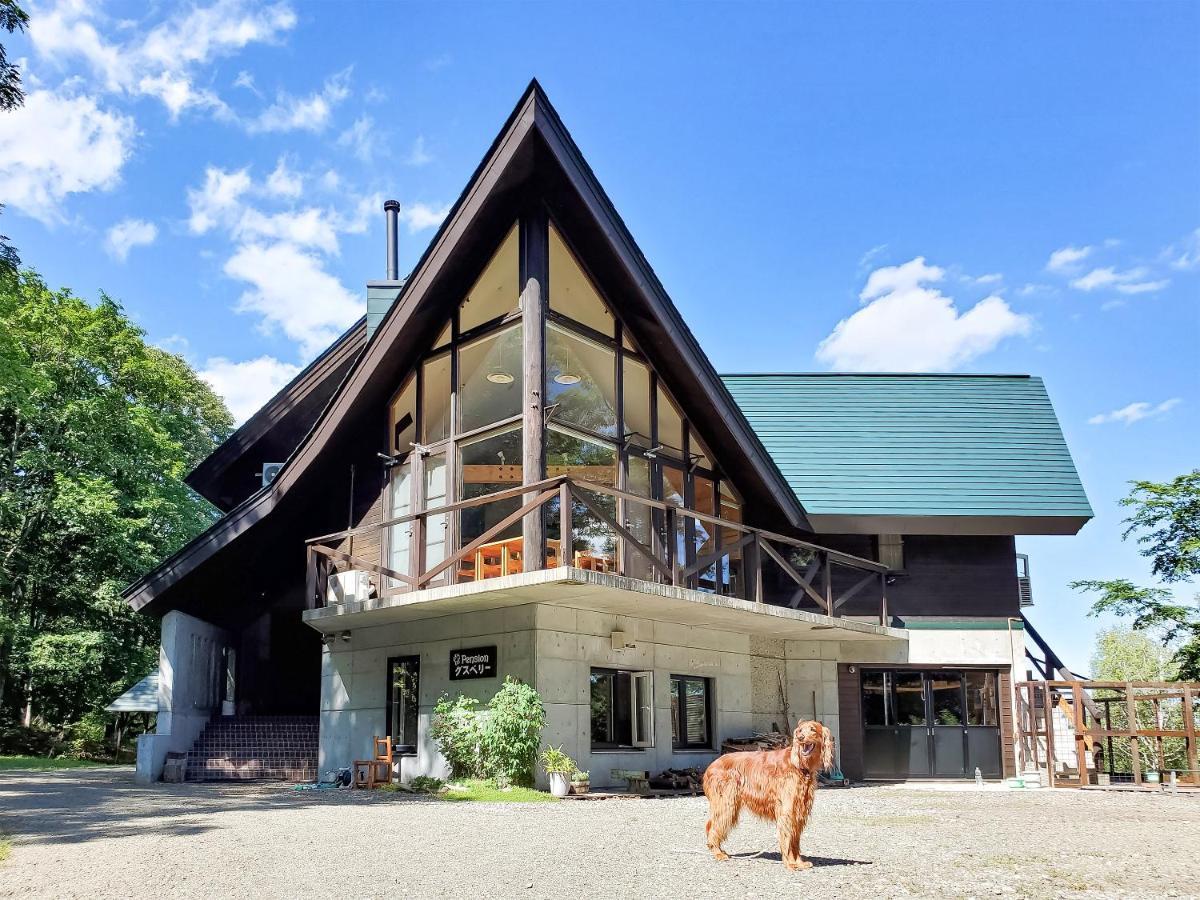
246, 748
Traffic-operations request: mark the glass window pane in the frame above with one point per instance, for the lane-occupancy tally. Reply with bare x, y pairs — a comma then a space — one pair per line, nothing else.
435, 400
497, 292
405, 702
602, 708
696, 691
593, 545
437, 525
490, 464
572, 292
581, 382
704, 537
699, 452
947, 699
982, 699
443, 339
673, 493
403, 418
636, 388
874, 698
400, 504
638, 517
490, 379
670, 426
910, 698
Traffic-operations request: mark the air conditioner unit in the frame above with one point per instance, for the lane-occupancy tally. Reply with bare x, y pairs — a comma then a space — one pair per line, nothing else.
354, 585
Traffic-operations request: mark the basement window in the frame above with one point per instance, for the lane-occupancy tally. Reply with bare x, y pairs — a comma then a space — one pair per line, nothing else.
691, 712
622, 709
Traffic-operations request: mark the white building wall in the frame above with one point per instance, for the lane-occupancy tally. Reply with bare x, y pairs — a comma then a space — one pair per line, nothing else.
190, 673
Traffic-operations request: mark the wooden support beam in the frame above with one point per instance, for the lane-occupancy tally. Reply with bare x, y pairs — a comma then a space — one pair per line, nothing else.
1131, 711
534, 280
1189, 726
792, 573
360, 563
855, 590
566, 525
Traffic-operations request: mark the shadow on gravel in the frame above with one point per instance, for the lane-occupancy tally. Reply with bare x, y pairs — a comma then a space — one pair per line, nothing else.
74, 806
817, 861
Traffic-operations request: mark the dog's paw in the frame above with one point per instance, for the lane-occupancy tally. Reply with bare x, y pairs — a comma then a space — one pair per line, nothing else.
720, 855
798, 866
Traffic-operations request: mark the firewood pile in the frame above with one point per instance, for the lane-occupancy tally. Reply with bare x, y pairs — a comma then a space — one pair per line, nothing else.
770, 740
678, 780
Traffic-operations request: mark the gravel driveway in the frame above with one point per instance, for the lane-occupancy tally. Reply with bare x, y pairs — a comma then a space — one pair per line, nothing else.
94, 833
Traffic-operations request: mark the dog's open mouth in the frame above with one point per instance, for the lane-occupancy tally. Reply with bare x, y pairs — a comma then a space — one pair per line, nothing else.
807, 748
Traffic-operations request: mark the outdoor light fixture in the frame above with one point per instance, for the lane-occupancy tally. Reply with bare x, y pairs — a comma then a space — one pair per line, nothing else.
499, 377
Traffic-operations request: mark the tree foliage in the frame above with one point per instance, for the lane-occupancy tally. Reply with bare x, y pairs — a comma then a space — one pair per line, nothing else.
97, 430
498, 742
1166, 523
12, 18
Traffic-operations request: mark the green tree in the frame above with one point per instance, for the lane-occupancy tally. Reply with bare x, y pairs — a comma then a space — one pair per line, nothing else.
12, 18
97, 430
1166, 522
1123, 654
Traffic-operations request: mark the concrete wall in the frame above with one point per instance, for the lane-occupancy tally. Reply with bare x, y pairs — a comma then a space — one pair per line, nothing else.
190, 673
354, 679
554, 649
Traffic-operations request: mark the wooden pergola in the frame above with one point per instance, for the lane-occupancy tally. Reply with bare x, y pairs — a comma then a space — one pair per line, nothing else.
1075, 729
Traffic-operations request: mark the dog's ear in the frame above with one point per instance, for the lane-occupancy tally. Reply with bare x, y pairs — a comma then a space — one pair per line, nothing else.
826, 748
795, 757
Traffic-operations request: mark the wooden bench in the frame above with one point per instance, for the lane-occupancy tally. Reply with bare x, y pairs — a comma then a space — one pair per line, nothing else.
638, 781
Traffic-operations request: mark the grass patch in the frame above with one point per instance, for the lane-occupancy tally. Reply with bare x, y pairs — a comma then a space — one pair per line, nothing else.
46, 762
5, 849
486, 792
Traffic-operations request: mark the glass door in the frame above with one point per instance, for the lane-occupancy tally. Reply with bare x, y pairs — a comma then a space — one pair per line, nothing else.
946, 729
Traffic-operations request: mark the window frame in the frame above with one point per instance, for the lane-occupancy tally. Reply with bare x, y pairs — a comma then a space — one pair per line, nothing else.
414, 660
709, 730
637, 741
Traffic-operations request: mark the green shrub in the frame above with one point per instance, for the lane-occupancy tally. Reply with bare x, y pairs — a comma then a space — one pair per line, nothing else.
87, 737
498, 742
457, 730
513, 733
17, 740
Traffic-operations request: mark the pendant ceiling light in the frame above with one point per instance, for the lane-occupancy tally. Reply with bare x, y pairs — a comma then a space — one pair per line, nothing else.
565, 375
500, 373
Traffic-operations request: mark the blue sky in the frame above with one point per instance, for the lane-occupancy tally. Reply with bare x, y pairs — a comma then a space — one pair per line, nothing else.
958, 187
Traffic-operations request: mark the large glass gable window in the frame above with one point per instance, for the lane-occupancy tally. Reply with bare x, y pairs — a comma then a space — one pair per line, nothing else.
497, 292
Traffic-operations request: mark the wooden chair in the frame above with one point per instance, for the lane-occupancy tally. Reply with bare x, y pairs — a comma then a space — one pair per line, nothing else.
369, 773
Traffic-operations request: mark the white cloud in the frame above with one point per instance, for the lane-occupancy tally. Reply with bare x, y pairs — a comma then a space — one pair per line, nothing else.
865, 261
246, 80
127, 234
1185, 254
420, 216
246, 386
1067, 259
311, 113
164, 63
292, 292
309, 227
361, 138
1130, 281
990, 278
906, 326
1135, 412
218, 200
418, 155
283, 182
58, 145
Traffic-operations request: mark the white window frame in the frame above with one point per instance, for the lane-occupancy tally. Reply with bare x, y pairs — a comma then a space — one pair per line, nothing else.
635, 723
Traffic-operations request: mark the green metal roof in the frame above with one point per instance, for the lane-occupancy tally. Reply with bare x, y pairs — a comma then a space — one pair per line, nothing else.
978, 446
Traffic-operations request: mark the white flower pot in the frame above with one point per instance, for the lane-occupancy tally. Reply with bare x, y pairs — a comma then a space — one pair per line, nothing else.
560, 786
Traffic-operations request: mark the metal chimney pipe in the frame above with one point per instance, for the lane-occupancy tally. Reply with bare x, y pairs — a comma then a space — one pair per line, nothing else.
391, 211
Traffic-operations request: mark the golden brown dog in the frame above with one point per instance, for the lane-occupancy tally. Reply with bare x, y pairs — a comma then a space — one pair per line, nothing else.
771, 784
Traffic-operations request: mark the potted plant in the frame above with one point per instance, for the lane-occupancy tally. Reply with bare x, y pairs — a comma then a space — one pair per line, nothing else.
559, 767
581, 783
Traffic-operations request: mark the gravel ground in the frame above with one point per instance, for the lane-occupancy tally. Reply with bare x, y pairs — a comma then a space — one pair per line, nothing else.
94, 833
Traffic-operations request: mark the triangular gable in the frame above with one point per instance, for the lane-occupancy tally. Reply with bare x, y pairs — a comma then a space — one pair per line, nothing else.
533, 152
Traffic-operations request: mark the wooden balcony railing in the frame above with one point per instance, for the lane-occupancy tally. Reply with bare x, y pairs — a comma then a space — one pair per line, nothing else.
758, 565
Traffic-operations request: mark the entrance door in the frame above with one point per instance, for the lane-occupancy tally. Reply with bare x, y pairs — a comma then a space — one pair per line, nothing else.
939, 724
